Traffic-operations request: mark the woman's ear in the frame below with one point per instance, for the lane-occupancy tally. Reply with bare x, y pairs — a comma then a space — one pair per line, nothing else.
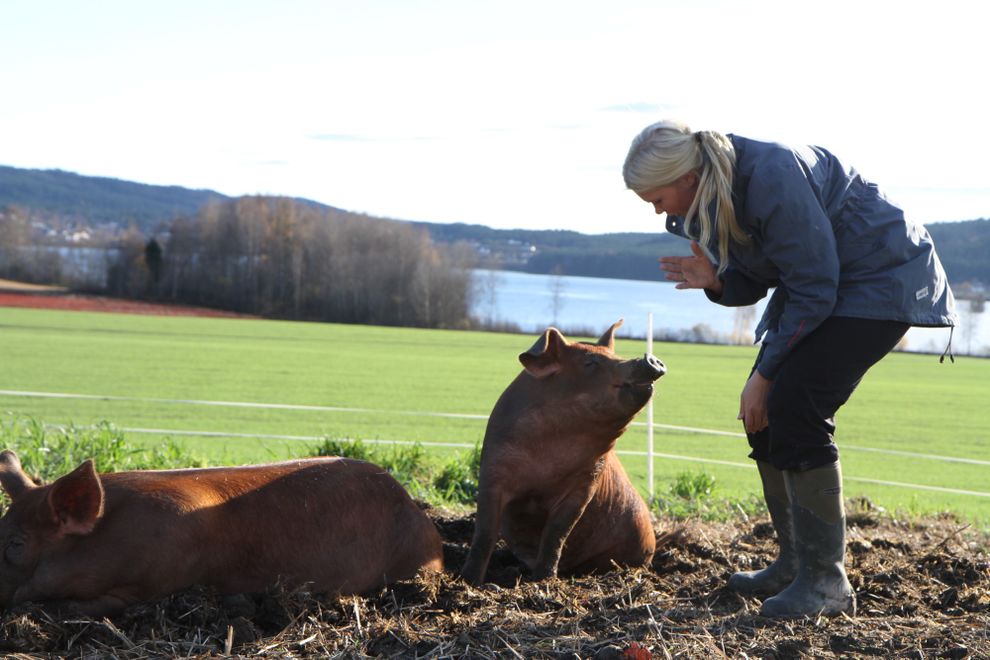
689, 180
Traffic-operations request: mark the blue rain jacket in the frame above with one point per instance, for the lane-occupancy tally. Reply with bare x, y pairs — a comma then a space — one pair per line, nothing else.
829, 243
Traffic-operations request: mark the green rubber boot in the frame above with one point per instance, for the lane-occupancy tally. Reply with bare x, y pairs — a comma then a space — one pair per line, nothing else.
821, 586
782, 570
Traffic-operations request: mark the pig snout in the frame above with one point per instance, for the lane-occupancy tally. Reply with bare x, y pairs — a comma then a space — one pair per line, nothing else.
640, 376
653, 367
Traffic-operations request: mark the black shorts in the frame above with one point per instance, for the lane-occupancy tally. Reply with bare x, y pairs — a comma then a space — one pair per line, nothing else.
818, 376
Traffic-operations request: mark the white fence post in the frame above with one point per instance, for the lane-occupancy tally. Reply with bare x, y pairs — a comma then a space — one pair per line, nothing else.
649, 413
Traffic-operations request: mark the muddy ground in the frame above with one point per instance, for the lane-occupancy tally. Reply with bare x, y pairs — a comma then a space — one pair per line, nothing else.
923, 590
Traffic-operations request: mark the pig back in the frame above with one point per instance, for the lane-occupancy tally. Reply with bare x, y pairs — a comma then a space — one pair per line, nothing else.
341, 524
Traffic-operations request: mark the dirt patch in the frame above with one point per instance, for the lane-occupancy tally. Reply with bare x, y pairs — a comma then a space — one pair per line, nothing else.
24, 287
53, 298
923, 591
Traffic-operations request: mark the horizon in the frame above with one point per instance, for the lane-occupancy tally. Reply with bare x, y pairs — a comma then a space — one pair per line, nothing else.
510, 116
455, 222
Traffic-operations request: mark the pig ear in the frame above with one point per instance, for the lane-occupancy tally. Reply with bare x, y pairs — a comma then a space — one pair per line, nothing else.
608, 339
15, 482
76, 500
543, 358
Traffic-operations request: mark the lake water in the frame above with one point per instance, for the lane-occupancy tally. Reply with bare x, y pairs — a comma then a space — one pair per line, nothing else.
589, 305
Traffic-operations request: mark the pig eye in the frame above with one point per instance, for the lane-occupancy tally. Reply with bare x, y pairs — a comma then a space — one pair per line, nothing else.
13, 552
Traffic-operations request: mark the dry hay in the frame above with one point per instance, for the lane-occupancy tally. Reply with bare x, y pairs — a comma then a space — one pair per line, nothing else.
923, 589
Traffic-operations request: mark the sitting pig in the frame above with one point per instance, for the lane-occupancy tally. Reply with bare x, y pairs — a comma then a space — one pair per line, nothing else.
97, 543
550, 483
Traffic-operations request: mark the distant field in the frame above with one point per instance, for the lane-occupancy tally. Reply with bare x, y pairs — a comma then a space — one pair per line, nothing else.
916, 437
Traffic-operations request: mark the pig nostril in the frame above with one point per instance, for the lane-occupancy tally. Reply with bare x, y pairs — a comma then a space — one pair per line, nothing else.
658, 367
654, 361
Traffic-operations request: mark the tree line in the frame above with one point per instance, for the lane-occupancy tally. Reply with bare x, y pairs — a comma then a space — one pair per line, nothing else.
113, 204
962, 247
278, 258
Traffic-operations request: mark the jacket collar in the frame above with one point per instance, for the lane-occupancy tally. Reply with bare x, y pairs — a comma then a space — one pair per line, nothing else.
675, 225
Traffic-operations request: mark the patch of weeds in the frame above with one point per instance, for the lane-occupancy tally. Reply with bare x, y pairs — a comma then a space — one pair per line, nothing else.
48, 451
862, 512
358, 449
457, 480
693, 486
452, 482
692, 495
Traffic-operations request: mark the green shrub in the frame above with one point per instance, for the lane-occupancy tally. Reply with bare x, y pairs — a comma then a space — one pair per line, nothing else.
691, 495
452, 482
48, 452
693, 486
457, 480
358, 449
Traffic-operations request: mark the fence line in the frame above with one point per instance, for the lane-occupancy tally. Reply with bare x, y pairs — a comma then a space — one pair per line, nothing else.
418, 413
462, 445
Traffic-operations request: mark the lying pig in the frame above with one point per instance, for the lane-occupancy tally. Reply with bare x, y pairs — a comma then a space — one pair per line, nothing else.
97, 543
551, 485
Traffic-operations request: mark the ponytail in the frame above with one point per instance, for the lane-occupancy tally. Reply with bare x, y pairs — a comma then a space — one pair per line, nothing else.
667, 150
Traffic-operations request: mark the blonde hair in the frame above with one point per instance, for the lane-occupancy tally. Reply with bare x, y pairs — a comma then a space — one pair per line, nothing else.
667, 150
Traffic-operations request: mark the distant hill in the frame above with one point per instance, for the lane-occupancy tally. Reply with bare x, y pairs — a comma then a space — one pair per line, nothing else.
621, 255
97, 200
963, 248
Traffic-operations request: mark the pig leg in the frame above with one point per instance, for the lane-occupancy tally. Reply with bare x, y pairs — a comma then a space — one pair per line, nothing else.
56, 597
486, 529
78, 585
561, 521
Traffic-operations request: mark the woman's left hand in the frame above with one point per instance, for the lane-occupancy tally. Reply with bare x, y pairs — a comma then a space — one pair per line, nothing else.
753, 403
694, 272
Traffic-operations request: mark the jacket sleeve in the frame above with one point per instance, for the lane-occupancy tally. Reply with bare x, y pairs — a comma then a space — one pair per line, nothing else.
738, 290
797, 237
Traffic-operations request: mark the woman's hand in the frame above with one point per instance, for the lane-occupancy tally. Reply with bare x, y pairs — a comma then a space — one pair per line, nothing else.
694, 272
753, 403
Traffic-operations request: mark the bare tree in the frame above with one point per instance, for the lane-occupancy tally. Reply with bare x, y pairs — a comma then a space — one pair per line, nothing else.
15, 237
742, 326
486, 283
128, 275
970, 321
277, 257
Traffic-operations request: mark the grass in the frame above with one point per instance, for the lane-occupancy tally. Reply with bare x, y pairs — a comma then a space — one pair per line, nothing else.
48, 452
913, 421
453, 481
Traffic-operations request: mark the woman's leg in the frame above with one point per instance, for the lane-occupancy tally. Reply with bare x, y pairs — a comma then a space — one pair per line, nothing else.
816, 380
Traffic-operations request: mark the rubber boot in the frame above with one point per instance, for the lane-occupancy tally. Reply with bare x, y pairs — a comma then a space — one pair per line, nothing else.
782, 571
821, 586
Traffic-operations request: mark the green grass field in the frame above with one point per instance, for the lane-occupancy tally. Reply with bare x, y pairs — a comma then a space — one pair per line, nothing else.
914, 438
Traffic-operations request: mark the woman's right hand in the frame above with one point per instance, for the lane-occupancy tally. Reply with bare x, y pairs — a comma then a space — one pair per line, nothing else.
753, 403
694, 272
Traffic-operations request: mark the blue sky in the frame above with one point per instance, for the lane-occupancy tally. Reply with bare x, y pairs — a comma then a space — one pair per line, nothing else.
507, 114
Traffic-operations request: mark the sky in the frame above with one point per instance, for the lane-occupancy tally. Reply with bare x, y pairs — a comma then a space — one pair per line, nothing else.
510, 113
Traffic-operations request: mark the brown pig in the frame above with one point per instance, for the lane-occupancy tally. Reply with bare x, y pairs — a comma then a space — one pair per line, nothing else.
551, 485
99, 542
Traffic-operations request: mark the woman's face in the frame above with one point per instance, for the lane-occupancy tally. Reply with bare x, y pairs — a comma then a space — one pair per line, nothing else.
675, 198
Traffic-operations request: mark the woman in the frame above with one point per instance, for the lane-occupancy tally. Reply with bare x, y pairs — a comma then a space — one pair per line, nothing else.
851, 274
